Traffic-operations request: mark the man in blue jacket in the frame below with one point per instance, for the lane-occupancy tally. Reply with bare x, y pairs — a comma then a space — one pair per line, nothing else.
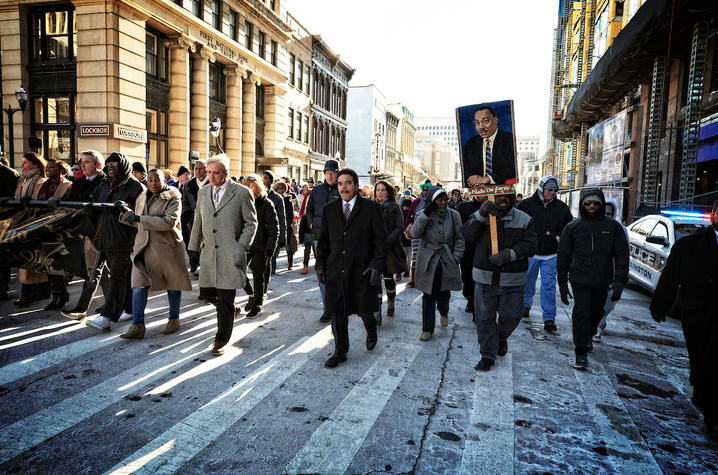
550, 216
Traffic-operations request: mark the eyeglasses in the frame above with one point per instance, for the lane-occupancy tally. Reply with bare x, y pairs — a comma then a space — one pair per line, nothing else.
597, 204
551, 189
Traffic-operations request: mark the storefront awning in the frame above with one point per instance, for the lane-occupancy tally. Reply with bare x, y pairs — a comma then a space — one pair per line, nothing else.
630, 58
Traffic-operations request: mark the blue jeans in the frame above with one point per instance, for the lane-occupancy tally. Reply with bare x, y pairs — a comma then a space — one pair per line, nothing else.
548, 286
322, 287
139, 302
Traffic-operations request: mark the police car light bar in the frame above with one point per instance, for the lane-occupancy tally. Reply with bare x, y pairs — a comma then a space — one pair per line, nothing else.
686, 214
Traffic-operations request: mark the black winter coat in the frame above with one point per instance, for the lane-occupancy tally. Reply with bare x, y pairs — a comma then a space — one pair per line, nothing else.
691, 274
394, 227
112, 235
289, 215
83, 189
267, 235
549, 218
320, 195
345, 250
278, 202
593, 251
8, 181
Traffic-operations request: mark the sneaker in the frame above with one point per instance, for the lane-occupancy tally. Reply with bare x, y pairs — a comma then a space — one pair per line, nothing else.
503, 347
99, 323
549, 326
484, 364
581, 363
444, 321
196, 272
597, 336
425, 336
125, 316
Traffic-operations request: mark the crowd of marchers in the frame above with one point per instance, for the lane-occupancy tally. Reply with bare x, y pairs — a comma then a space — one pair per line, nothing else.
223, 229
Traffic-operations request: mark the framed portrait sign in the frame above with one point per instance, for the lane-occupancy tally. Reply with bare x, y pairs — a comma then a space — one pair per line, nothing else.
487, 144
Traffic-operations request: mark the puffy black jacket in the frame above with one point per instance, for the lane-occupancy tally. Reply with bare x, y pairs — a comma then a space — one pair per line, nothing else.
267, 233
320, 195
549, 218
593, 250
111, 234
515, 231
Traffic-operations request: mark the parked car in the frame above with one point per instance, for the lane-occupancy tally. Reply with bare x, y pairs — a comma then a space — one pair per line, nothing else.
651, 238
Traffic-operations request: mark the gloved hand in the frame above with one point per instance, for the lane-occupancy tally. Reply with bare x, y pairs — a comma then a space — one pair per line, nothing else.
658, 317
430, 208
500, 258
25, 201
617, 289
374, 276
488, 208
565, 294
53, 202
119, 204
321, 275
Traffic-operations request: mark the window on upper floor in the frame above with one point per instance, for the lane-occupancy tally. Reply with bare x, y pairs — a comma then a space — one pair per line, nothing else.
261, 39
197, 8
307, 73
217, 84
248, 35
232, 20
300, 74
273, 5
290, 123
291, 69
273, 53
216, 14
155, 56
54, 35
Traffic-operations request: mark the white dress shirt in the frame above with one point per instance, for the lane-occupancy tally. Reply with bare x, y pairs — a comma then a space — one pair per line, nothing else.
218, 193
351, 202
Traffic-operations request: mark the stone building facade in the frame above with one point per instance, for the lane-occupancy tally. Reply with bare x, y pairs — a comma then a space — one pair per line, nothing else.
330, 79
146, 77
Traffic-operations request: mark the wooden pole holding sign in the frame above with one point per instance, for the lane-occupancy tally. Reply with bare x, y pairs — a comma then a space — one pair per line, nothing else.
490, 192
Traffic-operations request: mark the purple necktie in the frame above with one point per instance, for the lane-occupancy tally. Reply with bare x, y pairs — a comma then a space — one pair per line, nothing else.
347, 211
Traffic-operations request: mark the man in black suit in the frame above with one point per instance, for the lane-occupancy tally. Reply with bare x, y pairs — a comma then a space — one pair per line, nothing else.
489, 157
350, 261
189, 203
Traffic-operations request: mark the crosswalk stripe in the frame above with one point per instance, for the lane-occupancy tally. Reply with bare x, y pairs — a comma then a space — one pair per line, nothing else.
35, 327
172, 449
49, 358
334, 444
489, 446
617, 427
38, 427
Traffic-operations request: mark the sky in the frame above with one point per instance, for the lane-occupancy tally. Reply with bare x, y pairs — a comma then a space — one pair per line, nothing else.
434, 56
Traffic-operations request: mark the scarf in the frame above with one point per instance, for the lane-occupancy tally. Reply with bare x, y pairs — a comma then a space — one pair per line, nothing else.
49, 188
27, 182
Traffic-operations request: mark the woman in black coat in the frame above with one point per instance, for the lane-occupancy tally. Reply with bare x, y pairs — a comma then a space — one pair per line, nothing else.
395, 262
260, 253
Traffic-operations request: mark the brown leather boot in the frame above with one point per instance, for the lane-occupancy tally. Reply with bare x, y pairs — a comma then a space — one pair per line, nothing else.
135, 331
171, 327
305, 270
411, 282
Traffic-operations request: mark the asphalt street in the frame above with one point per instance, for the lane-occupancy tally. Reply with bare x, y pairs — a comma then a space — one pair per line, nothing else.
75, 400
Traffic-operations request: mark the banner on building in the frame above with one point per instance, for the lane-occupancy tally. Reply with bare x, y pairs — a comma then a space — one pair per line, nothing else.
606, 142
489, 123
48, 241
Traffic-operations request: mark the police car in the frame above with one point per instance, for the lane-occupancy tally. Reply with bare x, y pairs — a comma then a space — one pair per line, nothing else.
651, 238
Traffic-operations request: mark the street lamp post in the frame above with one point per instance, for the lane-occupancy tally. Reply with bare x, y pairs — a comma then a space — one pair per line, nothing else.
21, 95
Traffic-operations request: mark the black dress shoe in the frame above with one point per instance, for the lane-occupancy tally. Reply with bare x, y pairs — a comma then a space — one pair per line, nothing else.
503, 347
334, 360
325, 318
371, 339
250, 303
527, 311
253, 312
469, 308
484, 365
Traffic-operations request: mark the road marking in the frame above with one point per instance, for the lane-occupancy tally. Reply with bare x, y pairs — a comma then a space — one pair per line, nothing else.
36, 428
617, 428
35, 326
489, 446
31, 365
168, 452
334, 444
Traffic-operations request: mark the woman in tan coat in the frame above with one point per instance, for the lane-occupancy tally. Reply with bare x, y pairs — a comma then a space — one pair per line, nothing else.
158, 255
34, 284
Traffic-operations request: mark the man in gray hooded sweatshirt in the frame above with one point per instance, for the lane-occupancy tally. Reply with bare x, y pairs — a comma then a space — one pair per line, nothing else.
550, 216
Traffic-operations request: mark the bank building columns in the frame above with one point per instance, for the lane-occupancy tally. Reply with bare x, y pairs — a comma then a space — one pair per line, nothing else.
180, 49
233, 127
199, 99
